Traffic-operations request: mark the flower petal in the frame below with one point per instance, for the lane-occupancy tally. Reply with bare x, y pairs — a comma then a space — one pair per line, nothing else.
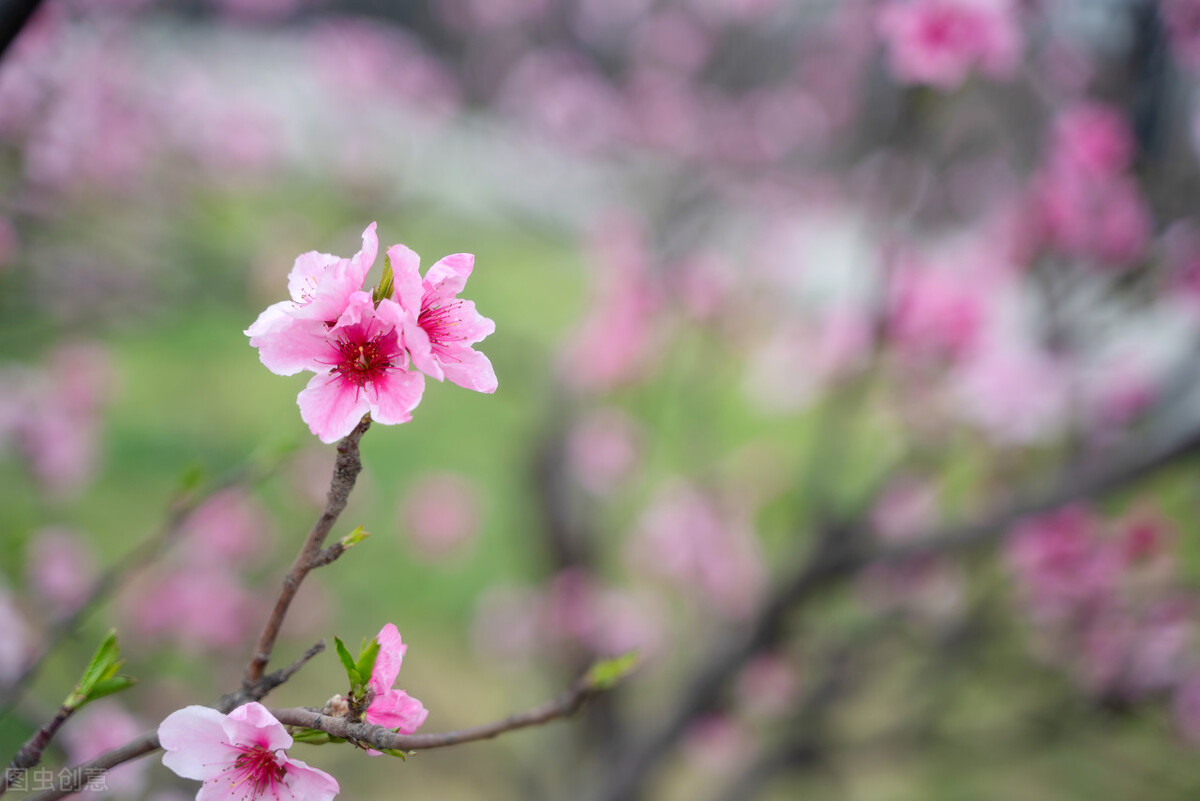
393, 395
420, 349
448, 275
251, 724
387, 663
195, 742
306, 274
307, 783
292, 345
332, 406
406, 273
471, 370
396, 709
361, 262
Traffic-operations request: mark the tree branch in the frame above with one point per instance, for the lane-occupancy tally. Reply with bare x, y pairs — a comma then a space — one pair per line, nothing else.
30, 754
380, 738
345, 472
14, 16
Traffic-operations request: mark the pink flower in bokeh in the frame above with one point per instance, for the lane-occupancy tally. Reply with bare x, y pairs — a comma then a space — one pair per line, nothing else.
1061, 564
101, 727
684, 537
392, 708
197, 606
612, 344
440, 513
239, 756
939, 42
229, 527
935, 312
767, 686
15, 642
1092, 137
62, 568
604, 449
1013, 393
718, 744
441, 328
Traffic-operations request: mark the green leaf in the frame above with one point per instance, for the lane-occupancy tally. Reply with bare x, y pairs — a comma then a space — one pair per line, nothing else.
113, 684
106, 661
398, 753
607, 674
347, 662
387, 284
311, 736
366, 660
354, 538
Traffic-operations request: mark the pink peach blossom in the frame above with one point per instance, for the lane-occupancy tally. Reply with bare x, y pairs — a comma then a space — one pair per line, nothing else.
939, 42
392, 708
239, 756
440, 329
229, 527
440, 513
62, 568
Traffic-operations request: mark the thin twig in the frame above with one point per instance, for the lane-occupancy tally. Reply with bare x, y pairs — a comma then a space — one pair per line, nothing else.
345, 472
30, 754
14, 16
378, 737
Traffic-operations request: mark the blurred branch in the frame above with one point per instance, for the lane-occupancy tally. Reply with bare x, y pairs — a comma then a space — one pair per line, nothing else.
30, 754
14, 15
345, 472
842, 551
381, 738
143, 555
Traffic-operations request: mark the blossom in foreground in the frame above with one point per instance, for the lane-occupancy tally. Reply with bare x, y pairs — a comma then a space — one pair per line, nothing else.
442, 329
239, 756
391, 708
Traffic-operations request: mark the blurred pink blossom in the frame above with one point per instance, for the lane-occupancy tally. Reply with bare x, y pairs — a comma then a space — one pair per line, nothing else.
1013, 393
62, 568
1182, 18
768, 686
229, 527
1061, 563
936, 312
612, 345
1091, 137
940, 42
684, 537
196, 607
718, 744
907, 509
101, 727
16, 642
672, 38
440, 513
604, 450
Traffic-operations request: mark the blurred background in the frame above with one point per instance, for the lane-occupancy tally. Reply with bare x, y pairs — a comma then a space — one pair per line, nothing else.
846, 371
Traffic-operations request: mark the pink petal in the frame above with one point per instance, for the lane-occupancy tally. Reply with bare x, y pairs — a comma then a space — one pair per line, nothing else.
406, 271
307, 783
448, 275
416, 340
361, 262
471, 326
252, 724
271, 316
471, 370
306, 274
387, 664
396, 709
331, 406
393, 395
195, 742
293, 345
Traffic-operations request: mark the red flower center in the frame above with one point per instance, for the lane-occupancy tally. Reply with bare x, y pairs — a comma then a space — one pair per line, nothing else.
257, 771
362, 362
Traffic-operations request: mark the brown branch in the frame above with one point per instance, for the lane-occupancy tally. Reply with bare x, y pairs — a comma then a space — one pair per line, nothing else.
30, 754
13, 19
345, 472
380, 738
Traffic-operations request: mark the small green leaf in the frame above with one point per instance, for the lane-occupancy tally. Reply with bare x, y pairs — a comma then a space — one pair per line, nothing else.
354, 538
109, 686
347, 662
387, 284
311, 736
106, 661
366, 660
398, 753
607, 674
192, 477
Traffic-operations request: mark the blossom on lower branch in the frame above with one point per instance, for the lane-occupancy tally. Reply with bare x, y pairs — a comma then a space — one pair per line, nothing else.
239, 756
391, 708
